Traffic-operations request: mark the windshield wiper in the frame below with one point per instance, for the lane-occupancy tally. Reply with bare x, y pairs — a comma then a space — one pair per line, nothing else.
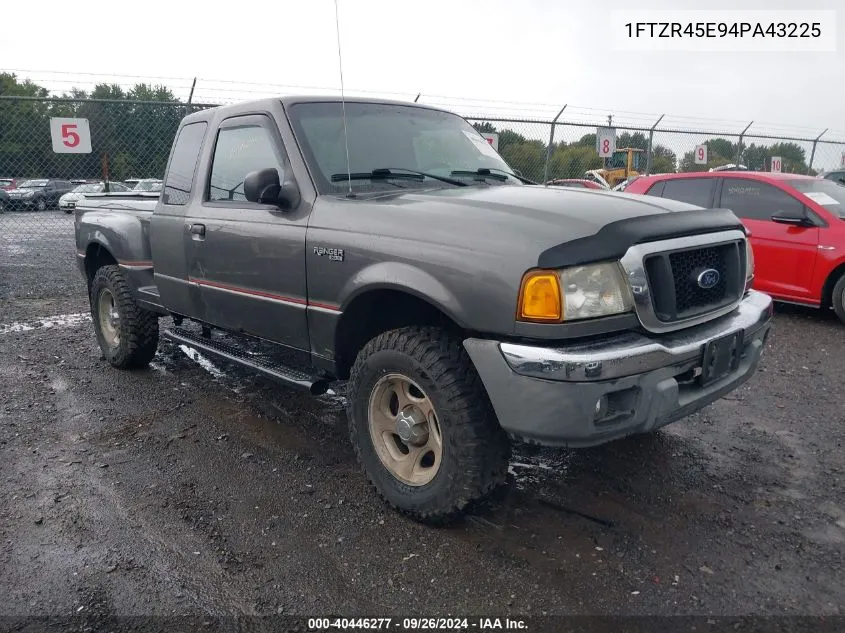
486, 172
383, 173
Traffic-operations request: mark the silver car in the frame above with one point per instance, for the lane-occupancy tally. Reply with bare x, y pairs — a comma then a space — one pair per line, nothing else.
67, 202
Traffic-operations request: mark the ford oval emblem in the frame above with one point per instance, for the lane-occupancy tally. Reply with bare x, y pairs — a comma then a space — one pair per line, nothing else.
708, 278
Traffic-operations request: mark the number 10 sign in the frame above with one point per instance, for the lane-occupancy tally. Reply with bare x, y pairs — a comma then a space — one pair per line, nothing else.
70, 136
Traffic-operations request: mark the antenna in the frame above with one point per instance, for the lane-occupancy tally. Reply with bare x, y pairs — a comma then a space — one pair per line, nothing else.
343, 102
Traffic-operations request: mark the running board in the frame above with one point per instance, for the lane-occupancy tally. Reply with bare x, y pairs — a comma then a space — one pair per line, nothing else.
261, 363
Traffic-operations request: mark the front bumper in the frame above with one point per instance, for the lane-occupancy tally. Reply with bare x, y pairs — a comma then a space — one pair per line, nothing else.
590, 393
20, 203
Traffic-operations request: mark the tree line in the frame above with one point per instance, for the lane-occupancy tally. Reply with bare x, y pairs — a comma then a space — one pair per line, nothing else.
136, 137
572, 160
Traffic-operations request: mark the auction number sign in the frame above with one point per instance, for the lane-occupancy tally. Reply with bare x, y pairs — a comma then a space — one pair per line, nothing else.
493, 139
70, 136
777, 163
700, 154
605, 141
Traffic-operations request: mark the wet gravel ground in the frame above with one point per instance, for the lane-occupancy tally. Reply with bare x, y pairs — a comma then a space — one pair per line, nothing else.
193, 488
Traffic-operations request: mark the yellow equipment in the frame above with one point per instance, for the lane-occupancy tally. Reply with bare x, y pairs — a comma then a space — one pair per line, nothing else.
624, 163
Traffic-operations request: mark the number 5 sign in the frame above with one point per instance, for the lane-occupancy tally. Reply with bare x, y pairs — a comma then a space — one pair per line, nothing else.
70, 136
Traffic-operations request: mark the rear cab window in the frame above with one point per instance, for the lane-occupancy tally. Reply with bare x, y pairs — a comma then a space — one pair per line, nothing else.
183, 164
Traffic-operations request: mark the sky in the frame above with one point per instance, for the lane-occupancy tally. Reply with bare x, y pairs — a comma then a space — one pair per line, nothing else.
529, 51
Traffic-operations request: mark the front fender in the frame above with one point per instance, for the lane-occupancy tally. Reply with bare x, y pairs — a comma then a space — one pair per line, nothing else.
406, 278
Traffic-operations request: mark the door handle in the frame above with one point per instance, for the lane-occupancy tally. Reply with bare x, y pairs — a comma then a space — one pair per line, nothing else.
198, 229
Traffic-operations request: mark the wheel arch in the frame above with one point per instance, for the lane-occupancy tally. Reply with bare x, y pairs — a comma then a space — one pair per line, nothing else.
97, 255
379, 308
830, 282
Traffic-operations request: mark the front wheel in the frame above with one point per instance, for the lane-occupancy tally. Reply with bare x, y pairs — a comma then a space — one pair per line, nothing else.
126, 333
838, 298
41, 205
422, 425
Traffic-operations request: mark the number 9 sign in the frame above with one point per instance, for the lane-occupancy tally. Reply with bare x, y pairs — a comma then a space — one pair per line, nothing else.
700, 154
70, 136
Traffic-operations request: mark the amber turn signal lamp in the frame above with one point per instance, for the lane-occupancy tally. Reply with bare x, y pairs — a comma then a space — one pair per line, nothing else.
539, 297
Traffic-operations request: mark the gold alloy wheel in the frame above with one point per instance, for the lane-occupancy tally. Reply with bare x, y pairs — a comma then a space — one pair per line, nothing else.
405, 430
109, 318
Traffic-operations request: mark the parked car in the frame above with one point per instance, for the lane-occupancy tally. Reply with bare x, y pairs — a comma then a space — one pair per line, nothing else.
68, 201
131, 182
38, 194
837, 175
797, 226
4, 201
147, 184
577, 183
7, 184
463, 305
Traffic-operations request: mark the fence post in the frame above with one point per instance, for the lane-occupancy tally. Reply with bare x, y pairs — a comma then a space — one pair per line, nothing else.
648, 158
190, 97
739, 145
549, 148
813, 151
417, 98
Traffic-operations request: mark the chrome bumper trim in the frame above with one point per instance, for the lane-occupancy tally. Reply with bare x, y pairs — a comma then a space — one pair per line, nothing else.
633, 353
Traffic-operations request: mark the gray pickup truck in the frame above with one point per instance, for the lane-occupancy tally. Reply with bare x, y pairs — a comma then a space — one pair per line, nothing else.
388, 245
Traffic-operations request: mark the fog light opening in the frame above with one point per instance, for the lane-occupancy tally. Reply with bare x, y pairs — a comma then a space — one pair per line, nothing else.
601, 408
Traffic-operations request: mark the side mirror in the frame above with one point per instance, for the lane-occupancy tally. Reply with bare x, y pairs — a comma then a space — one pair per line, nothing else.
263, 187
793, 220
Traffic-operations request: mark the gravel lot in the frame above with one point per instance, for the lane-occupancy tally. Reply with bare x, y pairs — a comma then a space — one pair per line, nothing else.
196, 489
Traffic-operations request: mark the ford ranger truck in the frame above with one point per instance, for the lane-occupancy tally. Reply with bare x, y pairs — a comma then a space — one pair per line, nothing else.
389, 246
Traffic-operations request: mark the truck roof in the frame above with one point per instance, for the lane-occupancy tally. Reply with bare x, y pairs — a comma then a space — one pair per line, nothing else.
261, 104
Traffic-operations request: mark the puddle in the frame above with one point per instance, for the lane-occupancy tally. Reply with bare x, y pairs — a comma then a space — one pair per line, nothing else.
202, 361
530, 466
58, 321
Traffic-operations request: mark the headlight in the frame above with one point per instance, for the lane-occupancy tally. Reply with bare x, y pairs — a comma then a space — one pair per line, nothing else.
580, 292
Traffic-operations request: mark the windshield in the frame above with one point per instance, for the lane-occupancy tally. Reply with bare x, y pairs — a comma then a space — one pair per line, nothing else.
88, 188
393, 137
32, 184
5, 183
827, 193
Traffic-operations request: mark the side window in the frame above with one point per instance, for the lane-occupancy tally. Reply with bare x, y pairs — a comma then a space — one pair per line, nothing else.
656, 189
753, 200
697, 191
186, 153
240, 150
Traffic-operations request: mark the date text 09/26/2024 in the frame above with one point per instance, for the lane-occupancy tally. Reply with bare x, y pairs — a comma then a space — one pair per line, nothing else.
417, 624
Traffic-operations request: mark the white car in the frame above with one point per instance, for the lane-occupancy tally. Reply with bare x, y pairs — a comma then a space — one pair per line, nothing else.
148, 184
67, 202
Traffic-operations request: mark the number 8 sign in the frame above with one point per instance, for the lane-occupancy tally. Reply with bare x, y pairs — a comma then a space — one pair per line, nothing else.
605, 141
70, 136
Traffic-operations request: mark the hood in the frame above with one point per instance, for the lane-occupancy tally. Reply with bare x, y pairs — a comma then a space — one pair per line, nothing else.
495, 218
67, 197
23, 191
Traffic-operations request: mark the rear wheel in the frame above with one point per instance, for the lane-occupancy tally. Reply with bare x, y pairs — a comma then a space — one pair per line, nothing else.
126, 333
838, 298
422, 425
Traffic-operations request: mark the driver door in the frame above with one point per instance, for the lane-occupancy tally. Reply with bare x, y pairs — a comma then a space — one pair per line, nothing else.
248, 259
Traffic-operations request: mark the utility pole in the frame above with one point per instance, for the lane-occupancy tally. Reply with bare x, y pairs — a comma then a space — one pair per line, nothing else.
609, 120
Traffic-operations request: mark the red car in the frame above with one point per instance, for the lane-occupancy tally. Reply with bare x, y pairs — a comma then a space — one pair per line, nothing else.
578, 183
797, 226
7, 184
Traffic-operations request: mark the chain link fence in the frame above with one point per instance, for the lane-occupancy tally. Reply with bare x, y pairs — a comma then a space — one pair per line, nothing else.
131, 139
